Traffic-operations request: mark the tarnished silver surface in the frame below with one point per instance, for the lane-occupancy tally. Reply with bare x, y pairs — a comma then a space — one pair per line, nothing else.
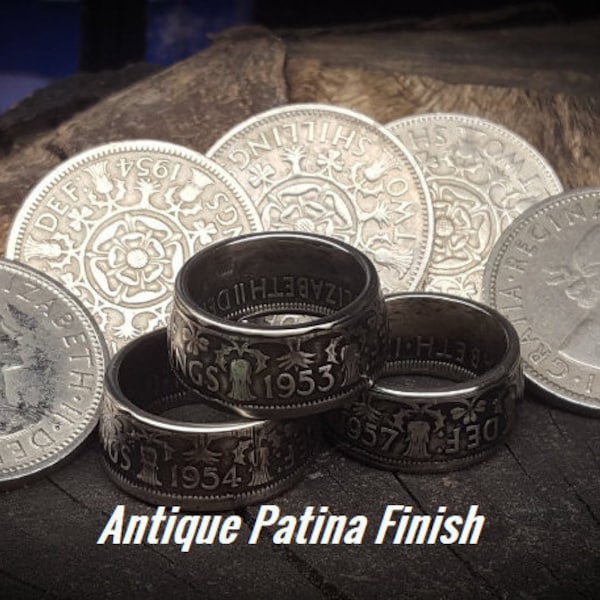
261, 370
51, 369
449, 392
481, 176
544, 276
162, 445
327, 170
115, 223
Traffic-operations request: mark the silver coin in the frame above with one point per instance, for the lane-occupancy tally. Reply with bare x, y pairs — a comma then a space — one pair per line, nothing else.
115, 224
52, 359
327, 170
544, 276
481, 176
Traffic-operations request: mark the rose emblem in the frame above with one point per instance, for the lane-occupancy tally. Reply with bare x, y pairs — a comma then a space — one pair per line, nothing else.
134, 258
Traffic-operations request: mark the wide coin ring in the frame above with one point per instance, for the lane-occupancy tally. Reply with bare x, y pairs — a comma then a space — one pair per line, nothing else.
449, 391
163, 446
278, 370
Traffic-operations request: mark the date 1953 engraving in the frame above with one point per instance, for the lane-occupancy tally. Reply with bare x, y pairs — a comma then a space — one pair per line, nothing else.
249, 373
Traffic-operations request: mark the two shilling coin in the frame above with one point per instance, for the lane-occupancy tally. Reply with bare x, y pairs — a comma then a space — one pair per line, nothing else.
544, 276
114, 225
52, 360
331, 171
481, 176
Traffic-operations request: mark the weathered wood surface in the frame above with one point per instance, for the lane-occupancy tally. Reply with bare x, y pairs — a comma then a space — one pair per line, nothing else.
540, 492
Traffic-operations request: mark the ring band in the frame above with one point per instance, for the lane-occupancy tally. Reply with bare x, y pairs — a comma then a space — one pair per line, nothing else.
449, 391
279, 370
161, 445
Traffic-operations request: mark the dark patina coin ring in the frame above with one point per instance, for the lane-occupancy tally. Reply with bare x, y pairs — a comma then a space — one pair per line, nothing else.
457, 380
221, 463
278, 370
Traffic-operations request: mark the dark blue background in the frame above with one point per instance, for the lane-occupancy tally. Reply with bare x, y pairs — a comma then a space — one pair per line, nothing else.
39, 39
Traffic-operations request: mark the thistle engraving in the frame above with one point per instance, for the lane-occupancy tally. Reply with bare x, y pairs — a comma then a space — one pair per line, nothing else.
115, 224
332, 172
436, 432
481, 176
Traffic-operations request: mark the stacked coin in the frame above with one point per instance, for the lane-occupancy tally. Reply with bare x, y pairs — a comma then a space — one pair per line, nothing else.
289, 323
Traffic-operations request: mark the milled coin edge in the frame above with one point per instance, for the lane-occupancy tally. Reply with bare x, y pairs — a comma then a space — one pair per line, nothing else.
39, 192
493, 125
309, 108
90, 419
543, 386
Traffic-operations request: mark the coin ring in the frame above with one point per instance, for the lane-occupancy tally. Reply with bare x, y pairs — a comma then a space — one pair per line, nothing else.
202, 466
422, 427
281, 370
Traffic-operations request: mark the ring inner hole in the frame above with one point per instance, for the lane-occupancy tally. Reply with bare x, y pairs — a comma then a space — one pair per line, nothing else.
435, 342
258, 278
145, 378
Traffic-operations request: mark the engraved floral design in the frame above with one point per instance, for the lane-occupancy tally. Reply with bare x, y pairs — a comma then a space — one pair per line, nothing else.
377, 168
296, 358
100, 178
330, 162
134, 260
191, 191
465, 154
205, 231
460, 236
146, 187
470, 411
418, 433
364, 409
260, 174
111, 425
466, 285
294, 156
193, 341
240, 361
308, 204
201, 453
78, 217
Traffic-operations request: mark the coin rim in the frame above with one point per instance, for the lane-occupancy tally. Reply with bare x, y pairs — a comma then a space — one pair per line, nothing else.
39, 193
98, 345
552, 392
309, 108
497, 127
